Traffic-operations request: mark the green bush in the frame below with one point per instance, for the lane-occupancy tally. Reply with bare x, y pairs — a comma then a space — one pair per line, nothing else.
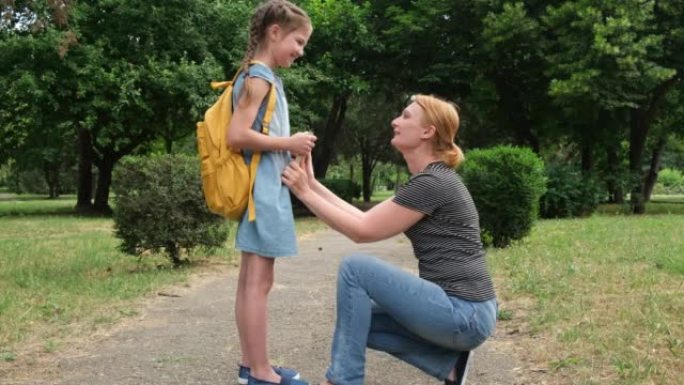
670, 181
159, 204
506, 184
568, 193
343, 188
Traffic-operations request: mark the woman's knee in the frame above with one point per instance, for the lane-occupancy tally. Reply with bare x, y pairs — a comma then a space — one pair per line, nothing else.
354, 262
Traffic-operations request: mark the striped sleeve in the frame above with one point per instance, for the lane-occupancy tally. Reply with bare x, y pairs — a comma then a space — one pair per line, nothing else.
423, 193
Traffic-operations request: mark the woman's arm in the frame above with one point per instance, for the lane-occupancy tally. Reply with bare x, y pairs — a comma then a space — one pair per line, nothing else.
382, 221
241, 136
307, 164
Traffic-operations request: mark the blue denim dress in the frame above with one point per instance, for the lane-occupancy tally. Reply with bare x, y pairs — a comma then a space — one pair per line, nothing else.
272, 234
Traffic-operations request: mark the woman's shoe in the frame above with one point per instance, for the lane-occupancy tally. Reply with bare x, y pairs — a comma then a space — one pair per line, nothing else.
462, 366
243, 373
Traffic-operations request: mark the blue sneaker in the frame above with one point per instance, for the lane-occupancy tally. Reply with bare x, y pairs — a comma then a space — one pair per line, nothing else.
283, 381
243, 373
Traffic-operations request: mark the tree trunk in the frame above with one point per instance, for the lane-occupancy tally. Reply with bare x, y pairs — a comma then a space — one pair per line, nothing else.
640, 124
652, 175
525, 133
366, 171
174, 253
614, 184
351, 169
104, 182
587, 157
51, 170
512, 112
325, 147
85, 172
168, 145
637, 141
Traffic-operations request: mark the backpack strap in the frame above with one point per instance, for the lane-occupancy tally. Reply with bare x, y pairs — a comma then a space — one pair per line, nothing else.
225, 84
256, 156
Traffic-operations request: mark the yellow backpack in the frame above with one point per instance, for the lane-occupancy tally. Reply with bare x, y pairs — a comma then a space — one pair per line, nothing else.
227, 182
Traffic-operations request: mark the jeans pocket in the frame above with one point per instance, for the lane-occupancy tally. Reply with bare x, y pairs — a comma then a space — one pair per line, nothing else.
477, 327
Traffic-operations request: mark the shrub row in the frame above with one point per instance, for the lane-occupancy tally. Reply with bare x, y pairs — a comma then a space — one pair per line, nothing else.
159, 203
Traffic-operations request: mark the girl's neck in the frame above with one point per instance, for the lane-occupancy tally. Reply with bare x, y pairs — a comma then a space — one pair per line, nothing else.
265, 58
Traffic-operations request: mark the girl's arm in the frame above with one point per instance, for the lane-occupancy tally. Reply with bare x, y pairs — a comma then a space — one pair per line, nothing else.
382, 221
240, 133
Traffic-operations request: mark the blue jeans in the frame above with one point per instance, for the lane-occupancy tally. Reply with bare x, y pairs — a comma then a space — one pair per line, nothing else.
385, 308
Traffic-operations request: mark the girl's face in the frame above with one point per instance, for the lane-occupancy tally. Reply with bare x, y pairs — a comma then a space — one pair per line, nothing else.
409, 129
289, 46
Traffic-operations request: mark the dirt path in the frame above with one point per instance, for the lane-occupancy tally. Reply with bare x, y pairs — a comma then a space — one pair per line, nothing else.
190, 336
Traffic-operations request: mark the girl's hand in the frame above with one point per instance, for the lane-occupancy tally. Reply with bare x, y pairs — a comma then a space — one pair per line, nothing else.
302, 143
296, 178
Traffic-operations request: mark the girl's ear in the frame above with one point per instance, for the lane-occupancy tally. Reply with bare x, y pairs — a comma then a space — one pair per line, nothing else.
274, 31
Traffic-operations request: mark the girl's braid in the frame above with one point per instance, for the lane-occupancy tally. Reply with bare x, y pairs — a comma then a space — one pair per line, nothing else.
256, 28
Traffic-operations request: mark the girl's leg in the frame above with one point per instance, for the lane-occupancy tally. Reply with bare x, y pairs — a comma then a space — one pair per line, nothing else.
252, 315
239, 311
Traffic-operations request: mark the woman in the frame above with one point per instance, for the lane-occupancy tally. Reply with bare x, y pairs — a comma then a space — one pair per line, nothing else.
431, 321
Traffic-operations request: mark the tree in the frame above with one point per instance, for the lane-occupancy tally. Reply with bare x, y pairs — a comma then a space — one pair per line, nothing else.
35, 122
610, 57
368, 133
336, 61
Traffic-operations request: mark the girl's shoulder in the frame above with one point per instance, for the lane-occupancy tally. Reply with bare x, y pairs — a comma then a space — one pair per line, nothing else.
261, 70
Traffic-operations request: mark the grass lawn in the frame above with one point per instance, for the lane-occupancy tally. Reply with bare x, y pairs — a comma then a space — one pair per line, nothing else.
29, 204
588, 301
62, 275
598, 300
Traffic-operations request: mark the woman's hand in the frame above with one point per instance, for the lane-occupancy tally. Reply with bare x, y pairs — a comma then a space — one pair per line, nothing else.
296, 177
307, 164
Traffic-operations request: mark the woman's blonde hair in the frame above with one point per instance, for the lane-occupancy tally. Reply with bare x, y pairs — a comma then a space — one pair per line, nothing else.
444, 116
281, 12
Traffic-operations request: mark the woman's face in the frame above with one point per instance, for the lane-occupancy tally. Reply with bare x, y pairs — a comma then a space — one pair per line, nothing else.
409, 129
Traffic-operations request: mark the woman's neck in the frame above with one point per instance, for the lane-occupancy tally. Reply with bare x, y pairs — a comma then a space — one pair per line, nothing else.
417, 161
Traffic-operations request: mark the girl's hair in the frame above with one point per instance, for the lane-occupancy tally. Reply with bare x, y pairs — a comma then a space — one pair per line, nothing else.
281, 12
444, 116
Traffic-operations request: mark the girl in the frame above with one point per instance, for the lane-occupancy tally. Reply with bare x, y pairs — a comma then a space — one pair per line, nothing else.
431, 321
279, 31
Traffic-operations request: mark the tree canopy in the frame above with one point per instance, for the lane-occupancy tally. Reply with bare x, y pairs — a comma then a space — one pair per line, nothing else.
598, 83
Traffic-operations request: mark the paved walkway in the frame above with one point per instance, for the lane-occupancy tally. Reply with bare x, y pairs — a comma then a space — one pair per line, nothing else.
190, 337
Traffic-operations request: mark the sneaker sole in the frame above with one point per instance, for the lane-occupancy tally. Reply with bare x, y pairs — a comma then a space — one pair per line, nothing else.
244, 381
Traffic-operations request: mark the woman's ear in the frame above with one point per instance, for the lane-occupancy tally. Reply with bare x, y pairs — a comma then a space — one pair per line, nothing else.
429, 131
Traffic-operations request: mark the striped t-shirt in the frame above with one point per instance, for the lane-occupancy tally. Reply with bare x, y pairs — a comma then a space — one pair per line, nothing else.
447, 240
